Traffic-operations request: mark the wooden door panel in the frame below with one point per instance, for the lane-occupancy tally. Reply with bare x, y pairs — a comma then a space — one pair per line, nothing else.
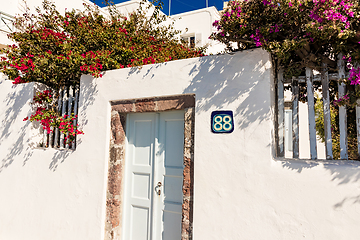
172, 221
141, 185
141, 135
171, 135
174, 143
143, 141
154, 176
139, 223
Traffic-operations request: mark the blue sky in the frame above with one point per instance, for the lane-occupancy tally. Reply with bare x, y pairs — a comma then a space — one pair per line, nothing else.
178, 6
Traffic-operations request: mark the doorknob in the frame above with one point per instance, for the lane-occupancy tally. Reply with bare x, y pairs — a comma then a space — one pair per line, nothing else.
157, 188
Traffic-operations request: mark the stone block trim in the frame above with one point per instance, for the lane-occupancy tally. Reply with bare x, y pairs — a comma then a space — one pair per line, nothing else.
115, 185
115, 173
188, 174
154, 104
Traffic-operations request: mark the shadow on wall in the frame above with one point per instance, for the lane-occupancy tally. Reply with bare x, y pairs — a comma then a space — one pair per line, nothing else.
11, 114
86, 99
58, 158
236, 78
249, 83
12, 104
151, 70
342, 171
88, 93
252, 88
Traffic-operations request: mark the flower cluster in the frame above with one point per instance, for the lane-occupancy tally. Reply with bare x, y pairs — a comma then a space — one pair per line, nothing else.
342, 101
354, 76
275, 28
43, 97
50, 119
332, 10
46, 34
22, 65
257, 38
66, 126
298, 33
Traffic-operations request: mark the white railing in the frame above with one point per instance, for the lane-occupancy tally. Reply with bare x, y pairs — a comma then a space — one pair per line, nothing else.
67, 105
309, 79
6, 22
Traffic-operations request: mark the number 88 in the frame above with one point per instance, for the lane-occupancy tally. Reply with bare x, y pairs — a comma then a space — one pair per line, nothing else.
222, 123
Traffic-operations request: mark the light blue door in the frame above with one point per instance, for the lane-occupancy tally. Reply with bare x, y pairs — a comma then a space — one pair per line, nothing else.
153, 176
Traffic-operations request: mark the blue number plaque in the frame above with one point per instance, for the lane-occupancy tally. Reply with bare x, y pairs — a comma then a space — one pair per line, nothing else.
222, 122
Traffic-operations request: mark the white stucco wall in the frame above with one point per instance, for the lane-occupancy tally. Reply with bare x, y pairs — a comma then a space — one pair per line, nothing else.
241, 191
46, 194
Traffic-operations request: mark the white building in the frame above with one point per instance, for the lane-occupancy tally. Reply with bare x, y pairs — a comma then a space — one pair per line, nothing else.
18, 7
231, 186
195, 26
150, 167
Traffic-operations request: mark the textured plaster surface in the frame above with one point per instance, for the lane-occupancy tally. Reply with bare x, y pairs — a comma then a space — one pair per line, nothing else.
240, 190
51, 194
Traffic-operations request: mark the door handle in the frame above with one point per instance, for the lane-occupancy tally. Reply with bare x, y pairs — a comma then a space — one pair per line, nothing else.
157, 188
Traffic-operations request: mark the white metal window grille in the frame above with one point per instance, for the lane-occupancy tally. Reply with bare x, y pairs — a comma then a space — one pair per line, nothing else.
67, 104
283, 125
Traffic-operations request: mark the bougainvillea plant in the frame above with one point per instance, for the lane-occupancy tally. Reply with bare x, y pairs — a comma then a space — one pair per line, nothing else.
50, 119
299, 34
56, 49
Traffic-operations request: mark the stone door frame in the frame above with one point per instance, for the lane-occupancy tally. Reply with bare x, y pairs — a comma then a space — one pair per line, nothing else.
116, 170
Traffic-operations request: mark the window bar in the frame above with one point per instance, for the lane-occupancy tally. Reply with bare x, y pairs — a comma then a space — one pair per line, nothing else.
64, 102
56, 138
358, 120
70, 100
46, 134
51, 134
358, 124
45, 138
295, 116
281, 126
342, 110
327, 116
311, 110
75, 113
